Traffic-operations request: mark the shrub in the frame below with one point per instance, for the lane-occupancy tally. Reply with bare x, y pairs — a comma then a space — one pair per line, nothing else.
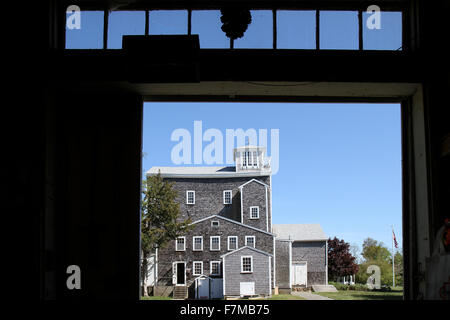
355, 287
339, 286
361, 287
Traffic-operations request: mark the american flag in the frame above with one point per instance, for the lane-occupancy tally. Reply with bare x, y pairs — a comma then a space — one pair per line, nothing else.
395, 240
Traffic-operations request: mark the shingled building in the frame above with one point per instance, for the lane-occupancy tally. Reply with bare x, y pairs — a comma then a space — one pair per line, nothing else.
232, 247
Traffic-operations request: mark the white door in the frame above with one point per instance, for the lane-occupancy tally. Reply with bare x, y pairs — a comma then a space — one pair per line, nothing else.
247, 288
299, 273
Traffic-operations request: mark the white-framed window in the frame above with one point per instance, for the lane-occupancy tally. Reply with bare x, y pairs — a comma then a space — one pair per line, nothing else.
250, 241
246, 264
197, 268
190, 197
255, 159
250, 159
244, 156
232, 243
227, 196
180, 244
214, 244
254, 212
215, 224
215, 268
197, 243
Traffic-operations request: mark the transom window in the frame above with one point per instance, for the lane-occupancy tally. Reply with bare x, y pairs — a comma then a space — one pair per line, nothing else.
232, 242
190, 197
247, 264
215, 267
180, 244
254, 212
227, 197
250, 241
354, 29
215, 243
198, 243
197, 268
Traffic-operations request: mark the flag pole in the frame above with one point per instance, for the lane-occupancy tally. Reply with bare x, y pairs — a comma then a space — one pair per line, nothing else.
393, 270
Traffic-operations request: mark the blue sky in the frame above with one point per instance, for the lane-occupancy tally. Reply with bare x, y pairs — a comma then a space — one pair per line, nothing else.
340, 164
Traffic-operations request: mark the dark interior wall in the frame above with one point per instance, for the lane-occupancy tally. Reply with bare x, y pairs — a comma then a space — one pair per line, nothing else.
436, 84
97, 158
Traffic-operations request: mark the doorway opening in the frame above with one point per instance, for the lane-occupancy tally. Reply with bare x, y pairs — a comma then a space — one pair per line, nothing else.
180, 273
334, 167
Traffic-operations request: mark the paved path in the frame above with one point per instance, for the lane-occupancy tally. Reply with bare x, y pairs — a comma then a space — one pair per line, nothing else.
309, 296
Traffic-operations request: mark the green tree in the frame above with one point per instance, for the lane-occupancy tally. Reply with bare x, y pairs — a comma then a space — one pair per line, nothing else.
376, 253
385, 272
374, 250
160, 219
398, 267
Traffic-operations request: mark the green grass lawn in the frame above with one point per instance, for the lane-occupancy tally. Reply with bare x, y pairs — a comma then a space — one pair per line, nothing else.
395, 294
285, 297
156, 298
273, 297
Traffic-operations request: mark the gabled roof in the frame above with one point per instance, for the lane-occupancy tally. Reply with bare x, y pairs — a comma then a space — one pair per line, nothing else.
203, 172
247, 247
254, 180
232, 221
299, 232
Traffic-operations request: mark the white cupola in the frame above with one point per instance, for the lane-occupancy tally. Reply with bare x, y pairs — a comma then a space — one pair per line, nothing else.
251, 158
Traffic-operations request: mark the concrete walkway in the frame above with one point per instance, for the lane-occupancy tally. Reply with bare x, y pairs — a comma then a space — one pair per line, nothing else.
309, 296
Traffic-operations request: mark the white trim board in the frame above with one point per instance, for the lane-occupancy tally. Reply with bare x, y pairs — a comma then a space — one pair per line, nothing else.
253, 180
246, 247
233, 221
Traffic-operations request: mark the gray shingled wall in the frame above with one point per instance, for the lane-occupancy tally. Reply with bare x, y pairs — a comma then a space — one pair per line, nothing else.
260, 274
167, 255
315, 253
254, 194
282, 263
209, 196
